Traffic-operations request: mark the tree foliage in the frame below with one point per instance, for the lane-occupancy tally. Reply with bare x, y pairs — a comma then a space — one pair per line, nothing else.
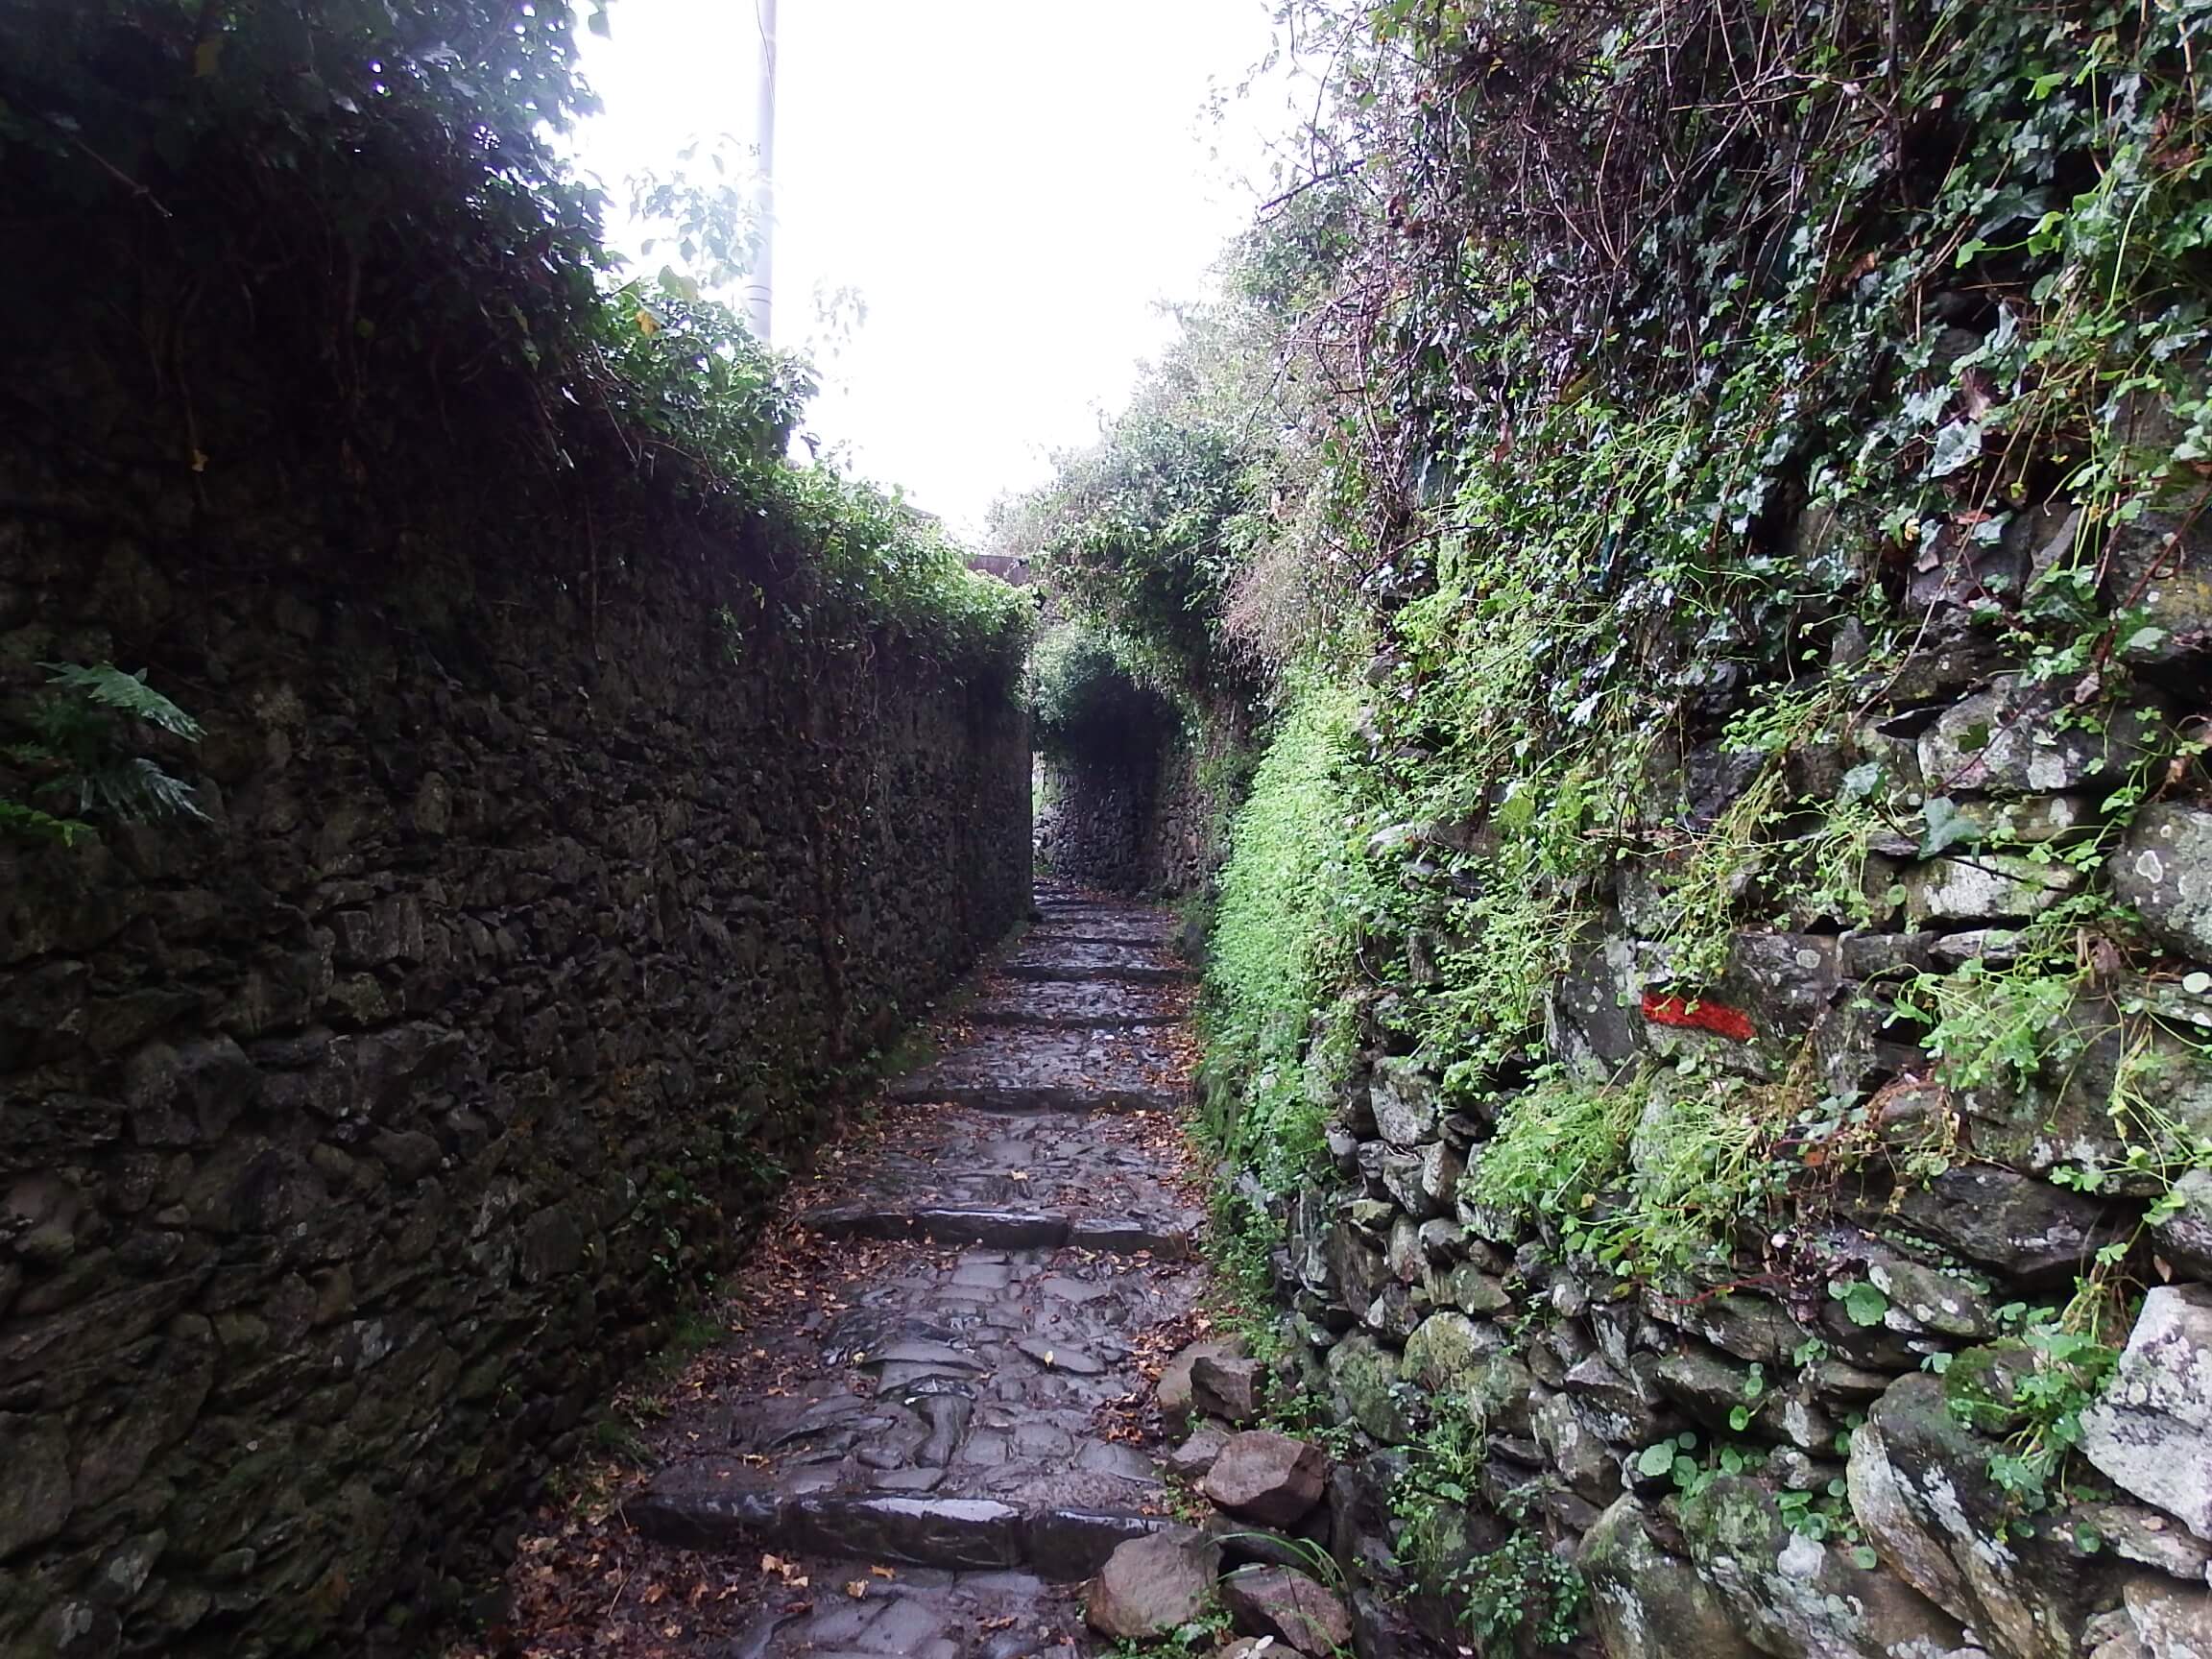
1086, 702
367, 197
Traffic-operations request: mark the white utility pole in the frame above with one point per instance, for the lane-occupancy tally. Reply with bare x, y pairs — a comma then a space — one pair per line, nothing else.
759, 292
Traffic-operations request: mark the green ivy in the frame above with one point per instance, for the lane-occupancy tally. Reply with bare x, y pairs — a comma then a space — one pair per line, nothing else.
1278, 931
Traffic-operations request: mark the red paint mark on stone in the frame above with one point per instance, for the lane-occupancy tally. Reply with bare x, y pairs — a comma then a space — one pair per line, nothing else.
1717, 1018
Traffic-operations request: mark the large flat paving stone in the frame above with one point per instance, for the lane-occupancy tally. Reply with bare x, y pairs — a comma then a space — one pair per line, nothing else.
944, 1413
1054, 959
961, 1175
918, 1615
1013, 1068
989, 1365
1106, 925
690, 1504
972, 1534
1011, 1230
1080, 1003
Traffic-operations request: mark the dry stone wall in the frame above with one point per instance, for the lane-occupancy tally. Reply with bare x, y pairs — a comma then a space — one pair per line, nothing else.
1092, 818
353, 1142
1746, 1461
1153, 822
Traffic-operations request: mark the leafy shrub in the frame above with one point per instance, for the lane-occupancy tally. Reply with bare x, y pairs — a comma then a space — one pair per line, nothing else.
1522, 1596
1086, 701
1558, 1144
1642, 387
1278, 938
369, 196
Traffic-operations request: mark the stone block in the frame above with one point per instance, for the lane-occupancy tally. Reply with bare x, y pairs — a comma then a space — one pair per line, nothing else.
1403, 1097
2151, 1433
1366, 1380
36, 1496
1798, 1598
1920, 1487
1984, 887
1174, 1391
1648, 1604
1152, 1586
1448, 1352
1228, 1388
2186, 1237
2035, 1232
2164, 869
1268, 1477
2152, 567
1575, 1449
2010, 739
1289, 1607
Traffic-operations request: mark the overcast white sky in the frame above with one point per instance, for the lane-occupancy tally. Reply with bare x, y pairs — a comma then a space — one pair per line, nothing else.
1010, 184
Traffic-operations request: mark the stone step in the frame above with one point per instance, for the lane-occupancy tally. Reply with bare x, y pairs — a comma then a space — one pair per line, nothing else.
1157, 932
1135, 964
946, 1414
719, 1503
1040, 1069
932, 1615
1054, 937
1169, 1236
1076, 1004
1039, 1181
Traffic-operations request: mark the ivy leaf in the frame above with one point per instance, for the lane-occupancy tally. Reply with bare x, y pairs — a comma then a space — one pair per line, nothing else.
1865, 1304
1943, 825
1656, 1460
1861, 781
1957, 446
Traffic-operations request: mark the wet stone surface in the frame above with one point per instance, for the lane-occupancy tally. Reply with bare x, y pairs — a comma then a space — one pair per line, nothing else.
1087, 924
1056, 1178
964, 1375
925, 1437
1052, 957
1017, 1069
1080, 1003
930, 1615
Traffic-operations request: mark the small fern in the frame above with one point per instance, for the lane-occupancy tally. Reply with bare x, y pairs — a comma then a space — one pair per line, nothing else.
105, 685
80, 746
29, 824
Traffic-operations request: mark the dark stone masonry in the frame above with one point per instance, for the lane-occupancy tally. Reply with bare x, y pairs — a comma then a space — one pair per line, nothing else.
950, 1415
1669, 1431
353, 1142
1152, 819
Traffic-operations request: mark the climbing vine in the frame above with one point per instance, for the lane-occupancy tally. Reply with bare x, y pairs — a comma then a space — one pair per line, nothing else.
1646, 386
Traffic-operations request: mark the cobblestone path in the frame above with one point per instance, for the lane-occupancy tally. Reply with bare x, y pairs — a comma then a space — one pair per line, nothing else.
934, 1422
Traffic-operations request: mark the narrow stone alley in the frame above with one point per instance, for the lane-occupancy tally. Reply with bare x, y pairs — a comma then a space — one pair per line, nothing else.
929, 1413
